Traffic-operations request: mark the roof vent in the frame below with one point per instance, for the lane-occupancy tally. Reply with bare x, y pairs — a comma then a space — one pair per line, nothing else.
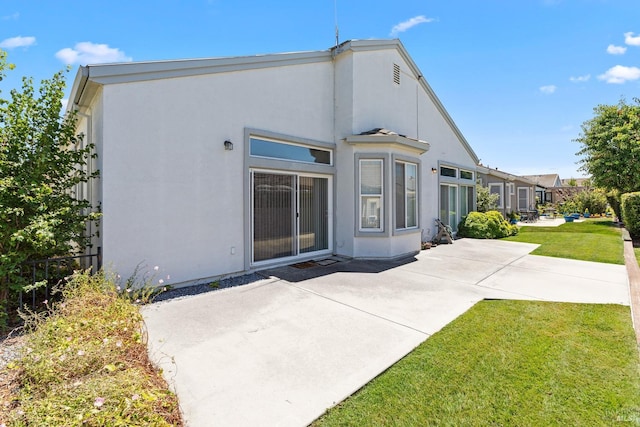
396, 74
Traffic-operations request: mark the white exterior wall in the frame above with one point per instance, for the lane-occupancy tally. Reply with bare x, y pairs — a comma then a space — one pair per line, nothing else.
172, 195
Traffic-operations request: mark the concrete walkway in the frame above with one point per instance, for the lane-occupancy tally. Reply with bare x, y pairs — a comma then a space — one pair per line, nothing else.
279, 351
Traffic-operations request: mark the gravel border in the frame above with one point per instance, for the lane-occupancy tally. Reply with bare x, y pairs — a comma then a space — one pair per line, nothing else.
202, 288
11, 348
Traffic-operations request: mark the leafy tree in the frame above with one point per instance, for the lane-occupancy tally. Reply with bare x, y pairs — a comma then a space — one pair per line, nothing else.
611, 147
485, 201
42, 162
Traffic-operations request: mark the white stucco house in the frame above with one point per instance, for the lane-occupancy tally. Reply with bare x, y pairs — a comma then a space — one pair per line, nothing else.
216, 167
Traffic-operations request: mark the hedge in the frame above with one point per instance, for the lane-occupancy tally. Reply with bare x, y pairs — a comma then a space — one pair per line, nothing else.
630, 206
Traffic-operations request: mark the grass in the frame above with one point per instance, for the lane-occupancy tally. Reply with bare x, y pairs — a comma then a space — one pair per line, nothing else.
592, 240
510, 363
637, 252
86, 363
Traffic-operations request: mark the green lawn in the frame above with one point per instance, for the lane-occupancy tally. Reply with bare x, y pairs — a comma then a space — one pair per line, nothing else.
637, 251
591, 240
510, 363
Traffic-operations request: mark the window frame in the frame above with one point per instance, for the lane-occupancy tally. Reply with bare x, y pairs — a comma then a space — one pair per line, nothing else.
380, 196
509, 193
466, 171
405, 204
500, 186
528, 190
290, 144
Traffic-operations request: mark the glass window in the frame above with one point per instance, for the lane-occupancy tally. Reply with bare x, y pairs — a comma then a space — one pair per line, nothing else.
496, 188
281, 150
449, 205
371, 194
523, 198
450, 172
466, 200
406, 181
466, 175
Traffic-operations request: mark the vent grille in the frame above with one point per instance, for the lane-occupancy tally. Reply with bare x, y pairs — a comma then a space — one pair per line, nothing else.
396, 74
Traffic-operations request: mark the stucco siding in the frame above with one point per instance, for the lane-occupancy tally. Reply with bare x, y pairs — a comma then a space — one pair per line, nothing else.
173, 196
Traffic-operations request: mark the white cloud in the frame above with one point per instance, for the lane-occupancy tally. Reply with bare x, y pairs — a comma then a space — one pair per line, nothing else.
580, 79
13, 17
410, 23
620, 74
548, 90
91, 53
616, 50
19, 41
631, 40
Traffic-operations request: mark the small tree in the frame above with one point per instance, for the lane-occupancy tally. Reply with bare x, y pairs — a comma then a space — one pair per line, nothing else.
485, 201
611, 147
42, 161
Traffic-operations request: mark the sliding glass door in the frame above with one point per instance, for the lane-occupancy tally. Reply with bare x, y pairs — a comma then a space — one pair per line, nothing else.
449, 205
290, 215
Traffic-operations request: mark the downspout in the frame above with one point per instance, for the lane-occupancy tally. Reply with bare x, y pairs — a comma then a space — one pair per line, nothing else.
334, 54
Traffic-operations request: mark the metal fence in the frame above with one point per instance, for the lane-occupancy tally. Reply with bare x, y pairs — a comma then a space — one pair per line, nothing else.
52, 271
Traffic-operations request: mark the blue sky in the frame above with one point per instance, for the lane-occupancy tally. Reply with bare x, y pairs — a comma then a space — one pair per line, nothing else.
518, 77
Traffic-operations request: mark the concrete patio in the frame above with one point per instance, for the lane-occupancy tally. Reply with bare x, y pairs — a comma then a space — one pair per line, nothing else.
280, 351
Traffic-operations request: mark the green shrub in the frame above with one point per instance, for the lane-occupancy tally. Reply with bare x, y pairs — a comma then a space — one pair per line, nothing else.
568, 207
613, 198
489, 225
630, 204
594, 201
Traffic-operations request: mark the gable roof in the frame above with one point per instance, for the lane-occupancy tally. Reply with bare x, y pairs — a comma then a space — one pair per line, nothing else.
90, 77
485, 170
546, 180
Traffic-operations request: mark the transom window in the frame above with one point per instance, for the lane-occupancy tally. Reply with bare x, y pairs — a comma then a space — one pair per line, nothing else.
287, 151
450, 172
466, 174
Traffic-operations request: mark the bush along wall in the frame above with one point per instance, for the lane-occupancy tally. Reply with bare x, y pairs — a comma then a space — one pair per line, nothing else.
489, 225
630, 206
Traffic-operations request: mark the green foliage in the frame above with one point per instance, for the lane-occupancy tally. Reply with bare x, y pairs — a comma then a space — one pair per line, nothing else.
594, 201
489, 225
42, 163
86, 363
485, 201
631, 213
613, 198
611, 147
568, 207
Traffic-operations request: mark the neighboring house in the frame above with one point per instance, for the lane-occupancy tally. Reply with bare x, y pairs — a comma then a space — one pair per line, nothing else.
214, 167
515, 193
545, 183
